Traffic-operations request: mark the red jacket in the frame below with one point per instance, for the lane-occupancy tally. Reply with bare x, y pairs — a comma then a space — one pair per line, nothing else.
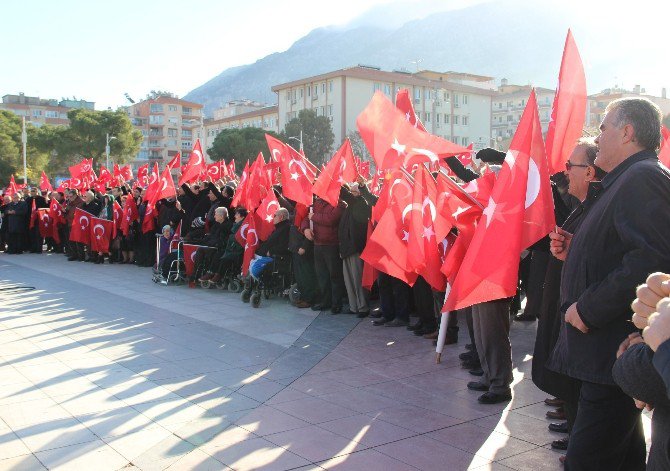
325, 222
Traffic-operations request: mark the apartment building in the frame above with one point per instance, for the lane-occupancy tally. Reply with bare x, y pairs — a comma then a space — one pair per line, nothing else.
168, 125
509, 103
39, 111
599, 101
265, 118
449, 104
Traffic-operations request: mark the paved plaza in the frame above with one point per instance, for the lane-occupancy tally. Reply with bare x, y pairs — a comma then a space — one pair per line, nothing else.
101, 369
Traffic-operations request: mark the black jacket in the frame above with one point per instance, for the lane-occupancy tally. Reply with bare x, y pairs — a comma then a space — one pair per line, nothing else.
623, 238
218, 234
277, 243
353, 227
93, 207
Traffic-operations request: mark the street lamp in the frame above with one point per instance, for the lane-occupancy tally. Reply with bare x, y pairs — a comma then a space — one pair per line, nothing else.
299, 140
108, 138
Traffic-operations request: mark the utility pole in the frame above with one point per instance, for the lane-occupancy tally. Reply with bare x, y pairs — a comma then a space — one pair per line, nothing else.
24, 140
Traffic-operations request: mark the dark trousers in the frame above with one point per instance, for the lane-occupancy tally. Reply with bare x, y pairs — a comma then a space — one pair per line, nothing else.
491, 327
423, 301
77, 250
393, 298
328, 268
607, 434
15, 242
303, 269
536, 273
36, 240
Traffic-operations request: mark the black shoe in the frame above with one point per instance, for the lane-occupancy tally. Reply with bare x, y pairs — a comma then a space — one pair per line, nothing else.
336, 310
376, 314
469, 346
467, 356
477, 386
560, 427
396, 323
476, 372
363, 314
525, 317
72, 259
561, 444
380, 321
318, 307
415, 327
493, 398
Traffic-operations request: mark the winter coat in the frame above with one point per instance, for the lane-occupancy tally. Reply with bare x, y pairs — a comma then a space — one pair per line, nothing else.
353, 227
16, 223
277, 242
325, 222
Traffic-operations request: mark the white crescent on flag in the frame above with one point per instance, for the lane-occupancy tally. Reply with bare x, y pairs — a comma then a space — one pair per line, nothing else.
252, 231
102, 232
82, 220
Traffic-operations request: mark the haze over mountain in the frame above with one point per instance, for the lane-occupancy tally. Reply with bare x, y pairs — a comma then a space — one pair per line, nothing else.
519, 40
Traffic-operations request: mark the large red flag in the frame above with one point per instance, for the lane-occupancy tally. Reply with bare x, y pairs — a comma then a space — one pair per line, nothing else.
81, 227
664, 152
231, 168
277, 148
11, 188
241, 191
164, 187
118, 217
175, 162
104, 176
101, 234
421, 242
520, 212
214, 171
130, 214
296, 179
266, 212
404, 103
189, 258
127, 172
45, 184
33, 214
257, 184
568, 112
394, 142
82, 168
340, 169
455, 207
196, 165
143, 175
46, 223
153, 179
149, 221
57, 218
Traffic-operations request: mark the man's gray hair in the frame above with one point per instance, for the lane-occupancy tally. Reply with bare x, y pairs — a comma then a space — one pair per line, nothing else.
90, 193
644, 115
590, 147
222, 210
283, 212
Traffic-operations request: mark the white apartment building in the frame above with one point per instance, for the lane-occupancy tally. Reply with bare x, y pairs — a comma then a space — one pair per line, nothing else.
509, 103
459, 112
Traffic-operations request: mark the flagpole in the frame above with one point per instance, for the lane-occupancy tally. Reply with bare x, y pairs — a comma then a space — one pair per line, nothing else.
461, 190
24, 140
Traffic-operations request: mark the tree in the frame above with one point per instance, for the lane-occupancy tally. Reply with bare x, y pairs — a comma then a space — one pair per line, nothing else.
86, 138
317, 135
11, 150
239, 144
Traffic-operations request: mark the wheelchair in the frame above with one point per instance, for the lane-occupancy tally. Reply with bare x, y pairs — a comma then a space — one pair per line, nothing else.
276, 279
176, 274
230, 280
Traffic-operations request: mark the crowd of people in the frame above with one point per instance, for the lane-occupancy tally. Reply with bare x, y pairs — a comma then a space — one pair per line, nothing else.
611, 206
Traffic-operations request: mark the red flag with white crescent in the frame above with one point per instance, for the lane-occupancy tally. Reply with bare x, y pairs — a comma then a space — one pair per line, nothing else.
45, 222
196, 165
45, 184
175, 162
189, 258
266, 212
81, 227
117, 211
130, 214
101, 234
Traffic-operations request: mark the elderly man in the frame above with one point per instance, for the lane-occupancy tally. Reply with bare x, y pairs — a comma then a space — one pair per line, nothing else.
621, 239
16, 229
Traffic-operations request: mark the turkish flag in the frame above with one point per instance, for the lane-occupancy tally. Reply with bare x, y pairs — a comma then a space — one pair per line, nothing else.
265, 213
241, 191
117, 211
164, 187
568, 112
664, 152
189, 258
101, 234
33, 214
214, 171
370, 274
196, 165
364, 169
466, 159
404, 103
455, 207
394, 142
340, 169
480, 188
277, 148
175, 162
256, 185
393, 179
247, 237
296, 178
11, 188
520, 212
82, 168
149, 221
421, 242
153, 183
57, 218
45, 184
104, 177
387, 249
143, 175
130, 214
231, 168
127, 172
81, 227
45, 222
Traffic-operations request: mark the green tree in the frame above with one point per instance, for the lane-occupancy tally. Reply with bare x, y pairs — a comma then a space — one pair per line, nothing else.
85, 137
317, 135
239, 144
11, 150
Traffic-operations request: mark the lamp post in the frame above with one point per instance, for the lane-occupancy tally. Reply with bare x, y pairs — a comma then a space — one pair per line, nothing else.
299, 140
24, 141
108, 138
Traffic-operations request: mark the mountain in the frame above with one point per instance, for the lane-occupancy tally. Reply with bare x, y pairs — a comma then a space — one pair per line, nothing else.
518, 40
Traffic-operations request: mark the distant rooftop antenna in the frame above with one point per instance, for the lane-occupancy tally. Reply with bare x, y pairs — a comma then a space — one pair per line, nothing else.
416, 63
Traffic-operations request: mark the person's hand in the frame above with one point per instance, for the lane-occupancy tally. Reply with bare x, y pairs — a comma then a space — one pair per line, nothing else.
309, 234
301, 251
559, 243
648, 295
177, 205
642, 405
309, 215
360, 179
629, 341
572, 318
658, 325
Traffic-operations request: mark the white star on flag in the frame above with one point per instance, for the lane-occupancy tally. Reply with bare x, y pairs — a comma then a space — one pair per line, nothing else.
427, 232
399, 148
460, 210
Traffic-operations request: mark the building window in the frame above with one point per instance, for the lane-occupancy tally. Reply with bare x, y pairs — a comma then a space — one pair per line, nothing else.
465, 99
323, 111
464, 141
464, 120
330, 110
288, 95
428, 94
455, 99
186, 144
427, 117
417, 93
387, 89
446, 118
376, 87
456, 119
323, 87
51, 114
509, 118
437, 118
330, 86
186, 110
37, 113
316, 90
156, 108
172, 143
172, 132
446, 96
186, 133
155, 119
172, 107
173, 120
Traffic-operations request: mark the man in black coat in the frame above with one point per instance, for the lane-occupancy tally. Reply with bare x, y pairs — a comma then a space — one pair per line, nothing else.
16, 228
620, 241
277, 243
